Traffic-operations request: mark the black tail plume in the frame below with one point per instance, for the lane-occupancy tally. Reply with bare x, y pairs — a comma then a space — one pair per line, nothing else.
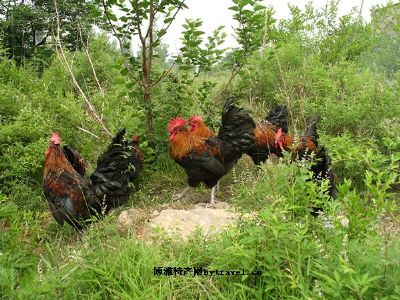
312, 129
323, 169
236, 127
116, 168
278, 116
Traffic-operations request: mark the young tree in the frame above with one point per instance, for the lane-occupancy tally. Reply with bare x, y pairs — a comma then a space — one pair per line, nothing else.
139, 20
194, 55
252, 32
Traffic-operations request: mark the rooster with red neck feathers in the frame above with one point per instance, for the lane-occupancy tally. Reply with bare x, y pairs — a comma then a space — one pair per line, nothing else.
73, 199
207, 157
271, 136
67, 193
197, 127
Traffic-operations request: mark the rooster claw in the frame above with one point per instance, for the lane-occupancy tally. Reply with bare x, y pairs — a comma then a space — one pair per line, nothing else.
180, 195
176, 197
208, 205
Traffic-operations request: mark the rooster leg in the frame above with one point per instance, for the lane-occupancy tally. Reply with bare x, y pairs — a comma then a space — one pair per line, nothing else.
218, 185
212, 202
180, 195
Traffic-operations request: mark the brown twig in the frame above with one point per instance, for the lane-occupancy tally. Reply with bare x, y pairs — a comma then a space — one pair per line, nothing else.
90, 62
236, 69
126, 65
139, 29
87, 131
169, 24
91, 108
164, 74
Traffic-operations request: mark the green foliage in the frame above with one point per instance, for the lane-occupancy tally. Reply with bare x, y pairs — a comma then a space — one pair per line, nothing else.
348, 97
25, 27
32, 107
312, 62
382, 56
254, 20
298, 255
352, 158
193, 55
139, 19
306, 257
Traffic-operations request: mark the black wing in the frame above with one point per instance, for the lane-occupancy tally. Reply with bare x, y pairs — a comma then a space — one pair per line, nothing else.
75, 159
203, 167
116, 168
69, 198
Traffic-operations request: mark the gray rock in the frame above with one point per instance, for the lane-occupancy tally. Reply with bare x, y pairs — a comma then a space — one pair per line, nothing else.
129, 217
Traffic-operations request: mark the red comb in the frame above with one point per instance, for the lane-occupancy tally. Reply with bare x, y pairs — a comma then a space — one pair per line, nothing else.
55, 138
195, 118
135, 139
176, 123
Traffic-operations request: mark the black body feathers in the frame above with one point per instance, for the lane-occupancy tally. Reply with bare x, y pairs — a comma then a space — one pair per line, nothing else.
116, 168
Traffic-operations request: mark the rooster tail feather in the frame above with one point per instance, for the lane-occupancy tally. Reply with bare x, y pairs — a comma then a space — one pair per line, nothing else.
230, 101
236, 127
323, 167
119, 137
312, 129
116, 168
278, 116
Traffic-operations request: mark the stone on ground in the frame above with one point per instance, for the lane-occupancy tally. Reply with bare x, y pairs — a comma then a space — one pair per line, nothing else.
181, 221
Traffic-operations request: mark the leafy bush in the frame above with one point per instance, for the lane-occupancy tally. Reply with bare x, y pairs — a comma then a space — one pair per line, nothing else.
315, 63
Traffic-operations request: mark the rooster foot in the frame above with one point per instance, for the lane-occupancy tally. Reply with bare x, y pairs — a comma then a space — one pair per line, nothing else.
180, 195
211, 205
208, 205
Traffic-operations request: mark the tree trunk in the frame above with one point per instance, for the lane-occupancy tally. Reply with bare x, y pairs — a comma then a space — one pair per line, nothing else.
147, 96
147, 59
149, 116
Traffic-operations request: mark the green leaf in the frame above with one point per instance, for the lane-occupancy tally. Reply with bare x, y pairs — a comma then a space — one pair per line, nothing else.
234, 8
112, 17
129, 85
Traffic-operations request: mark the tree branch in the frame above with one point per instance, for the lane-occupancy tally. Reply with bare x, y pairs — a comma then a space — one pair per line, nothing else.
90, 62
87, 131
169, 24
150, 32
139, 29
126, 65
164, 74
236, 69
91, 108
